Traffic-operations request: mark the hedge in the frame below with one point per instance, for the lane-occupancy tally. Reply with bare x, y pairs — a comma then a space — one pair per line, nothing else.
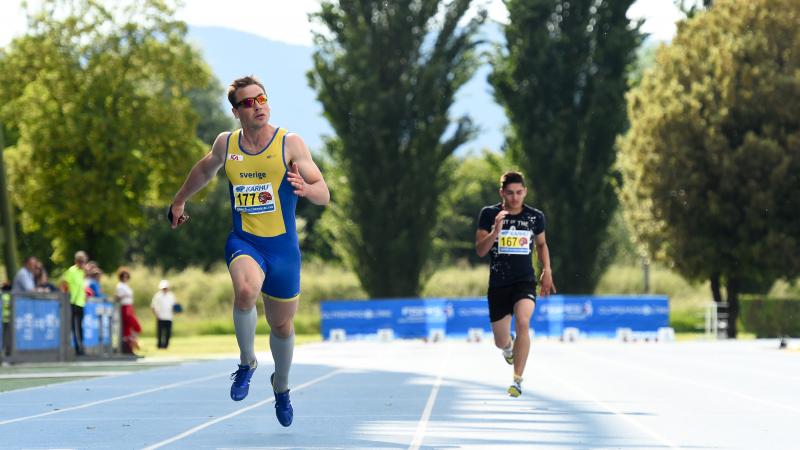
770, 318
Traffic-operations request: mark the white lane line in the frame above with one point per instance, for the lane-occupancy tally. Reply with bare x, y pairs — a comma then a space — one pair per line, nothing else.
691, 382
112, 399
422, 426
586, 395
191, 431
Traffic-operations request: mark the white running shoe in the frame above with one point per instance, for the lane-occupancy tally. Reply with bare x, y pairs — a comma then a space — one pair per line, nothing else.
508, 353
515, 390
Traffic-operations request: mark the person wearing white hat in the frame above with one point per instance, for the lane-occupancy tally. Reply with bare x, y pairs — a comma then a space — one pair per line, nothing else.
162, 305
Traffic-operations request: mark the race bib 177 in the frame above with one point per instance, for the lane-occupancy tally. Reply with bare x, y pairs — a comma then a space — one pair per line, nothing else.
514, 242
253, 198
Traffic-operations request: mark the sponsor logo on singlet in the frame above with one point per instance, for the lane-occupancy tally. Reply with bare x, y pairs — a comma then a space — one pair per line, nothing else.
258, 175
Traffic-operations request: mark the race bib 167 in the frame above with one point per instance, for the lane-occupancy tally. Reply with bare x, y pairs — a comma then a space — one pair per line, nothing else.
514, 242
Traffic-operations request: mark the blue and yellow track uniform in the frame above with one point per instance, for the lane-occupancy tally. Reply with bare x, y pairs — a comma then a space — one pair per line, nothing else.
263, 205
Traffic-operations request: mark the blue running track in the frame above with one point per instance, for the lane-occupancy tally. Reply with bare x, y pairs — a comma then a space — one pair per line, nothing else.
413, 395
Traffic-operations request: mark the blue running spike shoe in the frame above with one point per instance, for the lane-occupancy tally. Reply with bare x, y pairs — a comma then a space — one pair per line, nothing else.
241, 382
283, 406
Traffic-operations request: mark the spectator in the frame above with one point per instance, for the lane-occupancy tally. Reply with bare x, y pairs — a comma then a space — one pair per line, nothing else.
72, 283
42, 280
93, 275
163, 305
86, 288
23, 281
130, 324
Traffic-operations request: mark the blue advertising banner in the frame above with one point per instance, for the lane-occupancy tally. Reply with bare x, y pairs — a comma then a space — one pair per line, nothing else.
93, 320
417, 318
37, 324
106, 322
464, 314
593, 316
91, 325
407, 318
600, 316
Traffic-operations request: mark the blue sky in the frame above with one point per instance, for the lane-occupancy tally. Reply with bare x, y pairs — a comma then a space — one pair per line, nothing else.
287, 21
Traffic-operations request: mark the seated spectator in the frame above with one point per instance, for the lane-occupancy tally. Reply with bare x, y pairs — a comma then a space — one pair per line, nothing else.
23, 281
42, 280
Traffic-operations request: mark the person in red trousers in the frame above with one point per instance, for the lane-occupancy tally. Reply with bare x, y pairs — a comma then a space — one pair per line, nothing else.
130, 324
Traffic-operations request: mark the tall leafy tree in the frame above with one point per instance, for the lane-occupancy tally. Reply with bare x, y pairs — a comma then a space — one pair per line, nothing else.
692, 7
386, 74
476, 180
99, 99
159, 245
711, 162
8, 236
561, 79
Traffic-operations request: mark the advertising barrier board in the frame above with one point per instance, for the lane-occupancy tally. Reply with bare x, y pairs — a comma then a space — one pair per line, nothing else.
592, 316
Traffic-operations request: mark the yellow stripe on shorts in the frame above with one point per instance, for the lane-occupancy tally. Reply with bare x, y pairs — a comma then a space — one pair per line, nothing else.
283, 300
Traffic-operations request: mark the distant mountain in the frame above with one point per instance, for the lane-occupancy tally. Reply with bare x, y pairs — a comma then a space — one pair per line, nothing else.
283, 67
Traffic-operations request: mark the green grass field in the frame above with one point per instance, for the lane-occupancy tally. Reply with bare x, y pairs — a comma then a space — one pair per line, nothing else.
207, 295
206, 346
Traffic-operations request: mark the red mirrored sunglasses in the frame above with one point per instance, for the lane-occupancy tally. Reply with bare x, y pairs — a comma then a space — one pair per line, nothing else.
250, 101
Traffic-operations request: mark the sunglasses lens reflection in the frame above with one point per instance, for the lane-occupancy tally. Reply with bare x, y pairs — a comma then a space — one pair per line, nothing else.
249, 102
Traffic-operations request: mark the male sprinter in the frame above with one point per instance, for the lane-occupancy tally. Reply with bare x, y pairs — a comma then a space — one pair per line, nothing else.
509, 230
268, 168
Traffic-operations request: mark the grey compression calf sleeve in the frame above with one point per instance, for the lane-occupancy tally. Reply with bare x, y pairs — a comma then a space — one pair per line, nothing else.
244, 322
282, 351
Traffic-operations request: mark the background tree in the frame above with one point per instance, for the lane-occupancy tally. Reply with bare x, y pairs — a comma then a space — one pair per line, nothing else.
692, 7
712, 160
213, 119
476, 179
562, 80
8, 236
98, 98
386, 74
159, 245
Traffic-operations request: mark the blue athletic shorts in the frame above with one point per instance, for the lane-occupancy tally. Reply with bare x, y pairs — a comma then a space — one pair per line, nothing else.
280, 264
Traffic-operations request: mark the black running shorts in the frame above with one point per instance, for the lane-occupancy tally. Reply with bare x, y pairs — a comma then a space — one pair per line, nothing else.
502, 299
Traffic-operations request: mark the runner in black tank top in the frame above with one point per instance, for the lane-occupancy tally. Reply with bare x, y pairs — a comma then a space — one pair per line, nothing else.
508, 231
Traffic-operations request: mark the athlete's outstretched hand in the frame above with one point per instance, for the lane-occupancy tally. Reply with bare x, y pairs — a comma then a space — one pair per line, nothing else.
298, 183
176, 216
546, 281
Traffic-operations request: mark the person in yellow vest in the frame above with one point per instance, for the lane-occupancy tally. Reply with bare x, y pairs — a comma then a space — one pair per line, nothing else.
72, 283
268, 168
